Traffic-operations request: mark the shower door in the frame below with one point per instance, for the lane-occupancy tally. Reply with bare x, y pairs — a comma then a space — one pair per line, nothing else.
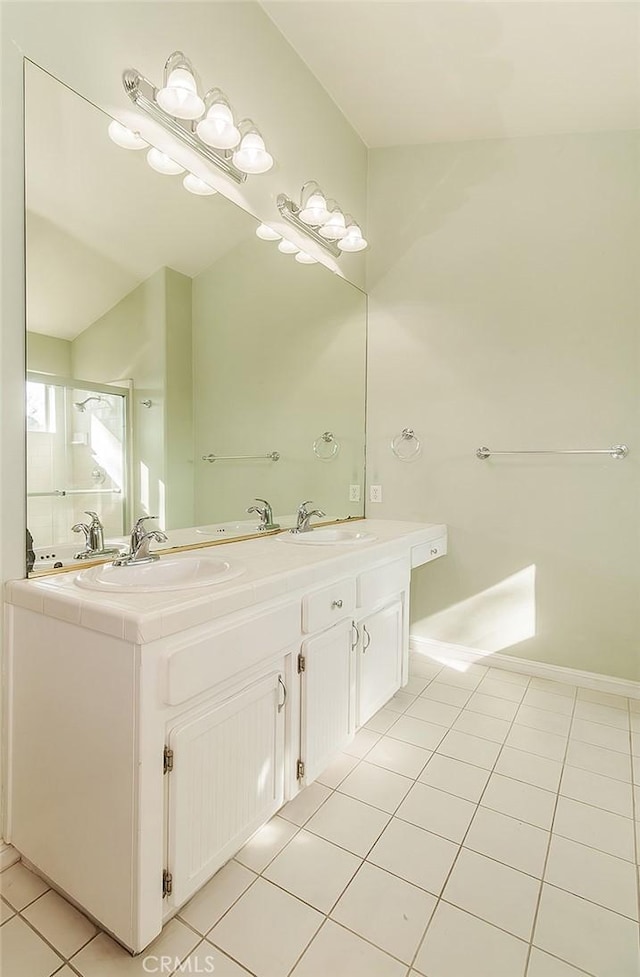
77, 447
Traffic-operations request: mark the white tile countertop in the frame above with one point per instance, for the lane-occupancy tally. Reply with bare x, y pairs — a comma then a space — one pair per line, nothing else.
271, 570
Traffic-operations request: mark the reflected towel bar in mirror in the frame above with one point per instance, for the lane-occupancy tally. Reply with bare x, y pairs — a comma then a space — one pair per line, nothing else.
617, 451
272, 456
62, 493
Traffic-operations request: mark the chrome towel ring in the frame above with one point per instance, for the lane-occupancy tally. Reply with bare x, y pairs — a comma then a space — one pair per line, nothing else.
326, 447
406, 445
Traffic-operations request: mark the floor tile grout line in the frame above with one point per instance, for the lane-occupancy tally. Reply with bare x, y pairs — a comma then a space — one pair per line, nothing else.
440, 898
546, 859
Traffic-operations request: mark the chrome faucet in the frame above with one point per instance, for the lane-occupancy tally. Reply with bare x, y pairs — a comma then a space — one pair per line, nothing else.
139, 544
94, 538
303, 517
266, 516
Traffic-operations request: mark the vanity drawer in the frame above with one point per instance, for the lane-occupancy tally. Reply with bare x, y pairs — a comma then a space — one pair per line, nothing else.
381, 582
196, 666
425, 552
324, 607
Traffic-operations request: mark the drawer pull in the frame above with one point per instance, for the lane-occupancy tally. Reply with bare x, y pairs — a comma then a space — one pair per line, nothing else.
336, 603
356, 634
434, 552
282, 704
367, 638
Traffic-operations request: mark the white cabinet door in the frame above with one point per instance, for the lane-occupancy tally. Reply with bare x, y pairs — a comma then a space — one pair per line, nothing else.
379, 659
227, 780
326, 712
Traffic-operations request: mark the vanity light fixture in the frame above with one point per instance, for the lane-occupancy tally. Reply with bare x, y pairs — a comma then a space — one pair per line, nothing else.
179, 94
322, 220
251, 155
205, 125
305, 259
266, 233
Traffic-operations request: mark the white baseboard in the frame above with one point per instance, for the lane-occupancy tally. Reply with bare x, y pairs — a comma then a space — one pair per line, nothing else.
444, 652
8, 855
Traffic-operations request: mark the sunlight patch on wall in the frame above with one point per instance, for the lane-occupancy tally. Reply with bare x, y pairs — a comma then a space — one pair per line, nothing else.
491, 621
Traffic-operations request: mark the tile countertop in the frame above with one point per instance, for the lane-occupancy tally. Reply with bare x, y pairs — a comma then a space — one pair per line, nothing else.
272, 570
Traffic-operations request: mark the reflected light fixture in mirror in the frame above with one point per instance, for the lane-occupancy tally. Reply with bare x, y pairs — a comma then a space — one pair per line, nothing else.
125, 138
194, 184
305, 259
266, 233
237, 149
286, 247
321, 220
162, 163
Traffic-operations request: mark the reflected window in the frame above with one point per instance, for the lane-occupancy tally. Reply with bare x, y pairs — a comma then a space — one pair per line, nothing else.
41, 407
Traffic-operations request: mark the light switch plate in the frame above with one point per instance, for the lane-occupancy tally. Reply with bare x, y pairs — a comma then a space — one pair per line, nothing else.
375, 493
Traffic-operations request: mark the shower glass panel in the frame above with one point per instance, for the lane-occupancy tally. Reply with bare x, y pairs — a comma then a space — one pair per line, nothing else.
76, 459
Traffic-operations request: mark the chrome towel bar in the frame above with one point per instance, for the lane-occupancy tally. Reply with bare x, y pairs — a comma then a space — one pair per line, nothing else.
272, 456
617, 451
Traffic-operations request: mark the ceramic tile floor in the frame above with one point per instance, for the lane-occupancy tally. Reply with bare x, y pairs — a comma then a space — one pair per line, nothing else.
483, 824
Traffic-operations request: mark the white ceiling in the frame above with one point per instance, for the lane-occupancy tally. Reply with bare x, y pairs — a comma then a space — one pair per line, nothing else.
99, 219
405, 73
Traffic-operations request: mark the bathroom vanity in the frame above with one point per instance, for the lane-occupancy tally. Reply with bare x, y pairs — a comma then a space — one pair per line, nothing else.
153, 732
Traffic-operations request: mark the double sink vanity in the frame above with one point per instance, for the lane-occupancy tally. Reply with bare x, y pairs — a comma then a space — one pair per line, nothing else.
161, 713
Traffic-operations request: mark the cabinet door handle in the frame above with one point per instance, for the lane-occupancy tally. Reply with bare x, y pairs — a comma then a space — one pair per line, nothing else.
336, 603
367, 638
356, 632
434, 552
282, 704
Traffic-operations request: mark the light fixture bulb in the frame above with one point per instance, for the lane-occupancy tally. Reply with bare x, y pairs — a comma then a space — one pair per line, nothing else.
305, 259
266, 233
315, 210
353, 239
194, 184
162, 163
251, 155
125, 138
218, 129
286, 247
179, 95
335, 228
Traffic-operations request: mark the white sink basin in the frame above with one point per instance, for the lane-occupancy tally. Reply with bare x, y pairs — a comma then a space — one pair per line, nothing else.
163, 574
328, 537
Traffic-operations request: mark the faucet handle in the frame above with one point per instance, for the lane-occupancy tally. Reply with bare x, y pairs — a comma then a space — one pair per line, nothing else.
94, 515
81, 527
143, 519
303, 505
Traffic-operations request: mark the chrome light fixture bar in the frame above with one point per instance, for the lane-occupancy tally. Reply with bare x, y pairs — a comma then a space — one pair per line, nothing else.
143, 94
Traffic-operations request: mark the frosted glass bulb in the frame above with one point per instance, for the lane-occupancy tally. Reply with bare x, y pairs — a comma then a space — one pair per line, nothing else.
162, 163
194, 184
353, 239
266, 233
251, 155
335, 228
286, 247
217, 129
306, 259
315, 210
179, 97
126, 138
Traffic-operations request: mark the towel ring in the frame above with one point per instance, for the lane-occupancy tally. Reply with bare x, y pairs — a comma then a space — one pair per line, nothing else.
411, 442
326, 447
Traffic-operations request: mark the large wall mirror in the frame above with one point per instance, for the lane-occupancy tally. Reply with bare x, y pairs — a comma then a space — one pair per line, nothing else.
161, 331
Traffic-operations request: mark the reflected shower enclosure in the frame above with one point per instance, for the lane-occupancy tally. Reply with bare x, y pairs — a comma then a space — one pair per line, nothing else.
76, 458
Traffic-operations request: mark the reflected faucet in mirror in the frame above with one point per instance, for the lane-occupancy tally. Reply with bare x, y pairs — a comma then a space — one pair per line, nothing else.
139, 544
304, 516
266, 515
94, 538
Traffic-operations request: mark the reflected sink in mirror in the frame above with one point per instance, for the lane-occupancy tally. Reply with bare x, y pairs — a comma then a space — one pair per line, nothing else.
328, 537
164, 574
